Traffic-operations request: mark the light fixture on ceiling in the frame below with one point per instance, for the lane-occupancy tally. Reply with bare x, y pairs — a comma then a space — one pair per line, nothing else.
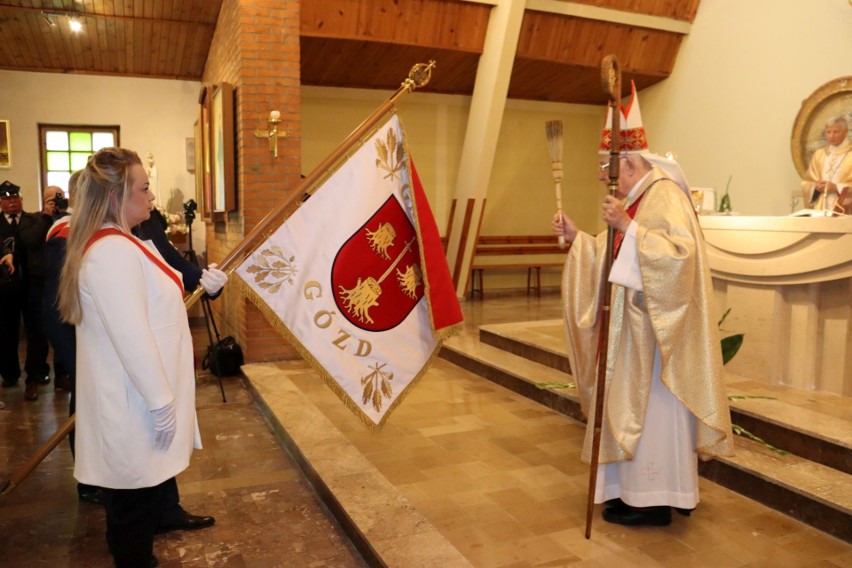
52, 19
49, 18
272, 133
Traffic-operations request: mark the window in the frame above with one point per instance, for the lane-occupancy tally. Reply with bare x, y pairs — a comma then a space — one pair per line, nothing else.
65, 149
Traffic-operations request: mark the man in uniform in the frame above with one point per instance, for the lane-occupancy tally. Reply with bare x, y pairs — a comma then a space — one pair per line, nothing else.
665, 401
24, 234
7, 267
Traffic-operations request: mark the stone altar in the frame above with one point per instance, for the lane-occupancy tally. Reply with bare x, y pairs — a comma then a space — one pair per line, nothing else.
788, 282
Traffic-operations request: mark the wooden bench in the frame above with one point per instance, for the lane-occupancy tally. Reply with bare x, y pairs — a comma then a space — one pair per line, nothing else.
511, 252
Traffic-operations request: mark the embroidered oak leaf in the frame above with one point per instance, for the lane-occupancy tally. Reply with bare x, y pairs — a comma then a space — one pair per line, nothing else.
271, 269
391, 155
377, 386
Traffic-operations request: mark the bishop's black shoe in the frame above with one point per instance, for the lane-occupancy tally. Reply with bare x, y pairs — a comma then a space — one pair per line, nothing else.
632, 516
616, 504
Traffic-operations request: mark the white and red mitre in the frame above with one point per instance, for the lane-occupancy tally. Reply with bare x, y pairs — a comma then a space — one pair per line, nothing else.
632, 130
634, 141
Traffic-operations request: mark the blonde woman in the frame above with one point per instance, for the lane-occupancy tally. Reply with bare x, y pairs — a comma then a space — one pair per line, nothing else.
136, 424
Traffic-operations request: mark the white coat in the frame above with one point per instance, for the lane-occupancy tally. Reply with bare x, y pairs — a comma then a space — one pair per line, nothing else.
134, 355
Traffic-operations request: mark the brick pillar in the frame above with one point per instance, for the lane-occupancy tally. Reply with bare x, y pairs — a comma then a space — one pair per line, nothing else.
256, 49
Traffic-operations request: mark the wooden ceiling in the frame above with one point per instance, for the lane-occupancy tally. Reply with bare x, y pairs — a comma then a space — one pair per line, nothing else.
350, 43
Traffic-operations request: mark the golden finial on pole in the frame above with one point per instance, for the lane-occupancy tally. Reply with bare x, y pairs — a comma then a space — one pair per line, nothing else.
419, 76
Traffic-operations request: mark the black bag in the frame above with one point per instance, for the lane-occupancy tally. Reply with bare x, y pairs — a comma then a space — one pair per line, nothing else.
224, 358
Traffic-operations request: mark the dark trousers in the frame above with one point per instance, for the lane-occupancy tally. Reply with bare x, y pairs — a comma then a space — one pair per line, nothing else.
37, 346
132, 516
22, 299
171, 512
10, 331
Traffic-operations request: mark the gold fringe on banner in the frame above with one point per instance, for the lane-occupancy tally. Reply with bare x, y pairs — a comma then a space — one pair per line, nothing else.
281, 328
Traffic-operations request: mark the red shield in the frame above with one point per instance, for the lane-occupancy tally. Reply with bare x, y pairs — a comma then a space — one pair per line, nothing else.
376, 273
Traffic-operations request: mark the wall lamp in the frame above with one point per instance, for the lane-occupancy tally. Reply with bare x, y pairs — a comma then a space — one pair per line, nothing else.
272, 133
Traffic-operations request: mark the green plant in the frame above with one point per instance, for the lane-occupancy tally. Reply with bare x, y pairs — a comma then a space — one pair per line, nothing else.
725, 202
740, 431
730, 346
555, 385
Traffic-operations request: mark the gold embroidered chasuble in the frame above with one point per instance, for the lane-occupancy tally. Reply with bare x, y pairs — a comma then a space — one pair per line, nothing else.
674, 312
839, 172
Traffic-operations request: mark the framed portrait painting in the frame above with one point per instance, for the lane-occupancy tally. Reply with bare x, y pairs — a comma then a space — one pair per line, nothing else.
831, 100
203, 174
5, 145
222, 150
199, 165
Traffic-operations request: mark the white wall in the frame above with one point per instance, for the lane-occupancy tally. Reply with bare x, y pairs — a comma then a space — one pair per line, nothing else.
520, 197
729, 106
155, 115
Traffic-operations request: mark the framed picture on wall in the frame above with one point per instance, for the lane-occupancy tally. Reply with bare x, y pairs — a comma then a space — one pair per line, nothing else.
199, 165
5, 145
203, 171
190, 154
831, 100
222, 149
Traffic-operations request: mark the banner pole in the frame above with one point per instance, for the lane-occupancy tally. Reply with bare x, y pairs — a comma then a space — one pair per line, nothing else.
611, 80
419, 76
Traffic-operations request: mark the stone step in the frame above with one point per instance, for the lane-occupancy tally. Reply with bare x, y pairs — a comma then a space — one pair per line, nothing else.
781, 421
808, 491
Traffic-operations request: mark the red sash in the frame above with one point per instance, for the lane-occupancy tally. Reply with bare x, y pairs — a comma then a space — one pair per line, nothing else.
101, 233
60, 229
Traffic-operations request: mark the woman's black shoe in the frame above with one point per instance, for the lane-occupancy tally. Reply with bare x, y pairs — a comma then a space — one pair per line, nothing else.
94, 495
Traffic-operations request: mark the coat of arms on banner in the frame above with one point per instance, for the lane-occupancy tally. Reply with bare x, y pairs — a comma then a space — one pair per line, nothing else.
376, 275
356, 278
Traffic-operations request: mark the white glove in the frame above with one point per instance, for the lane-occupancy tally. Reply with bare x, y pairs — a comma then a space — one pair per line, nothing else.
213, 279
165, 424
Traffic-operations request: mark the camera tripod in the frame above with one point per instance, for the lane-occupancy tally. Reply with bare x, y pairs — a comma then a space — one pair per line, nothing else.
189, 209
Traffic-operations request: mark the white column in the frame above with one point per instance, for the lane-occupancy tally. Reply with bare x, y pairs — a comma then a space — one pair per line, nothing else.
483, 129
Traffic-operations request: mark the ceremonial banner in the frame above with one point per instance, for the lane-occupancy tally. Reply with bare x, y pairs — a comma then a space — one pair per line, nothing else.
357, 279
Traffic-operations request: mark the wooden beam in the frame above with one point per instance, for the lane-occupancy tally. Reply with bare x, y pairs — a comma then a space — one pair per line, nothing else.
609, 15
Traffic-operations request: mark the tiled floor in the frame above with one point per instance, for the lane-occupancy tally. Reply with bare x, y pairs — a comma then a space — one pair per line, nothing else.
500, 479
266, 515
497, 476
